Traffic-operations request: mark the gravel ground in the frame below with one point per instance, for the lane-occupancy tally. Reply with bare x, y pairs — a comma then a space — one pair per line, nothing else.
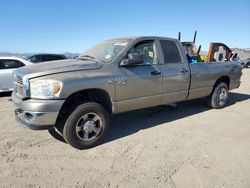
185, 146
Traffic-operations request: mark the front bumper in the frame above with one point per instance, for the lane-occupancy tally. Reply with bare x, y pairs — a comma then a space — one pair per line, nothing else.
37, 114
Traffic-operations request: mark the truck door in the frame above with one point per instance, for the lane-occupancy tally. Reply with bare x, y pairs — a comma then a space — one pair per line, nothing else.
139, 86
175, 72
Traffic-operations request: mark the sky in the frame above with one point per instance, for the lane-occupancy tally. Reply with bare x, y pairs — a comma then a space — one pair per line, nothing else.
57, 26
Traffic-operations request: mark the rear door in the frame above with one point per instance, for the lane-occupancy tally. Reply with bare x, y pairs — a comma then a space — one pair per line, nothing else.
175, 71
140, 86
7, 66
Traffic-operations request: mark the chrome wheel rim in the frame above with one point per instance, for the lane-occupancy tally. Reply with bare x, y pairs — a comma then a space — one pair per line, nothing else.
222, 96
89, 126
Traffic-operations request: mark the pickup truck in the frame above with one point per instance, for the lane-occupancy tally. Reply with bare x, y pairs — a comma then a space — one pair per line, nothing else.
78, 96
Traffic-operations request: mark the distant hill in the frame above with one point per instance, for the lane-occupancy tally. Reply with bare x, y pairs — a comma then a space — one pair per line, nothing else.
22, 55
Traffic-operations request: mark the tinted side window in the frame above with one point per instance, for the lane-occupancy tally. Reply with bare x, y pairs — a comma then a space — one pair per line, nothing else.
20, 64
61, 57
45, 58
36, 59
54, 57
170, 51
9, 64
33, 59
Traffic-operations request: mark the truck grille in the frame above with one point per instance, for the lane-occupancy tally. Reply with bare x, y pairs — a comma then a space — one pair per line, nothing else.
19, 86
19, 80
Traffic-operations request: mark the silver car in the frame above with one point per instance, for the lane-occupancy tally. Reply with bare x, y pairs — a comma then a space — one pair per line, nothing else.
7, 66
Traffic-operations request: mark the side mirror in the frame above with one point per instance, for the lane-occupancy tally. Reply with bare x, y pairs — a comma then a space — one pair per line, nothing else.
133, 59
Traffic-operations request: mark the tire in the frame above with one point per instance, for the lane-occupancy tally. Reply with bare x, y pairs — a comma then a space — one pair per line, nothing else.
86, 126
219, 96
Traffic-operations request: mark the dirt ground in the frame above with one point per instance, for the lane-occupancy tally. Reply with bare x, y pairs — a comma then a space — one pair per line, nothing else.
185, 146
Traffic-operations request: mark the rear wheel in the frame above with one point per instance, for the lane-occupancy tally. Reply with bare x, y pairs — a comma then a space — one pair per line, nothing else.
86, 126
219, 97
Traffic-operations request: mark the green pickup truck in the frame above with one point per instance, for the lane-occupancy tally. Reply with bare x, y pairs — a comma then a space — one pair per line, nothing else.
78, 96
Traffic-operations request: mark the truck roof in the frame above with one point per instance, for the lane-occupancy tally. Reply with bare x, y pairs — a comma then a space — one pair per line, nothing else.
142, 37
46, 54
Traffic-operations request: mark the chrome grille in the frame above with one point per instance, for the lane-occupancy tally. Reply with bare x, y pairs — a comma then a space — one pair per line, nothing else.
19, 80
19, 86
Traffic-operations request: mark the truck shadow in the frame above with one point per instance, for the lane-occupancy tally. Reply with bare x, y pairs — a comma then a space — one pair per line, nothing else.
129, 123
125, 124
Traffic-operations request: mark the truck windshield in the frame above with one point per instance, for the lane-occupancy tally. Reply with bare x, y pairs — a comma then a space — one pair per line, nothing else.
106, 50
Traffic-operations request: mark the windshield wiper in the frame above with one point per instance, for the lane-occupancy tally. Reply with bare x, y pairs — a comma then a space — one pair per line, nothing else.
88, 57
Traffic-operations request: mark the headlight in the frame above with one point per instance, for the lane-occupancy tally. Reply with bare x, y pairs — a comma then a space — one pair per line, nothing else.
45, 89
26, 82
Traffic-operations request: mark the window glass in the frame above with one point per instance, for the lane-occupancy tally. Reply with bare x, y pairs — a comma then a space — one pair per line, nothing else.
9, 64
107, 50
35, 59
170, 51
20, 64
51, 58
54, 57
63, 57
45, 58
39, 58
148, 51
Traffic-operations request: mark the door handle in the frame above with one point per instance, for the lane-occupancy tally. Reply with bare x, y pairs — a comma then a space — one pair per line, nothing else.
184, 70
154, 73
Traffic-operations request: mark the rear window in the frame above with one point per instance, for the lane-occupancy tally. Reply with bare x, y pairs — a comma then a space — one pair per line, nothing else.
170, 52
10, 64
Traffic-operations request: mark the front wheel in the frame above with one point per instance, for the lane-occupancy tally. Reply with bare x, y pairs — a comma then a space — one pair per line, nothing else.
219, 97
86, 126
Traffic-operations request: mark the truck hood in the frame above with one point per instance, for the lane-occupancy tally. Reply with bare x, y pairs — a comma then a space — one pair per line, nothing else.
61, 66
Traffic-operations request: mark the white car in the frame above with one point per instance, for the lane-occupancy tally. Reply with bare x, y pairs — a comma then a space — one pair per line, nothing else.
7, 66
